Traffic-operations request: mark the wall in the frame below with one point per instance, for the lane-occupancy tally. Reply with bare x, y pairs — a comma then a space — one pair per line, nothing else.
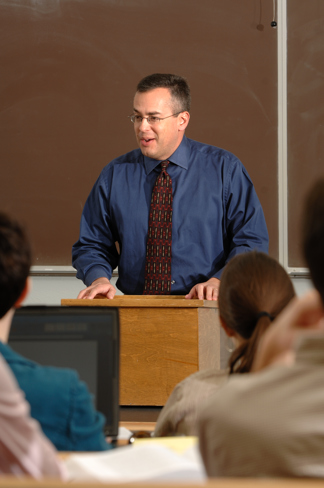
69, 73
68, 66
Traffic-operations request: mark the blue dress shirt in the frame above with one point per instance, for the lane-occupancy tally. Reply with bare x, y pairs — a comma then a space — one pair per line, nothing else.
216, 215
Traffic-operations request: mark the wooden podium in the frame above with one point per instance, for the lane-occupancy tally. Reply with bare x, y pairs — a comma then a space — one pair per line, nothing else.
163, 339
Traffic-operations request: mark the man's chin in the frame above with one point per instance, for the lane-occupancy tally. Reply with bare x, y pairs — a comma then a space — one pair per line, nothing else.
149, 154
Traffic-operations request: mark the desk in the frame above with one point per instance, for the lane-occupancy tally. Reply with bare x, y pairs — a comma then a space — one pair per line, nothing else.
10, 482
163, 339
134, 426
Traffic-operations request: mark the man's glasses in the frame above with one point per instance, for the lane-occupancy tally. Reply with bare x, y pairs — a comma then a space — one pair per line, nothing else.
151, 119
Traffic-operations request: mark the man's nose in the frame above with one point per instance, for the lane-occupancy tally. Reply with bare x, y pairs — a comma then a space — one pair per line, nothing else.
144, 125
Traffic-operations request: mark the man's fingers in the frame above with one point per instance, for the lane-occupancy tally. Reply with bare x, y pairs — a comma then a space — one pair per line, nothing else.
215, 294
211, 293
95, 291
211, 289
204, 291
192, 293
201, 291
98, 289
208, 293
82, 293
111, 293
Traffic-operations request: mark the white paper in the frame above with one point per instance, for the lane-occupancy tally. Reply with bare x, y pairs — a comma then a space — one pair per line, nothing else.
123, 433
130, 464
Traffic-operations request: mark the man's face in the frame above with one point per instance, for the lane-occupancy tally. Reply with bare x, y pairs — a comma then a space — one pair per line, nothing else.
160, 140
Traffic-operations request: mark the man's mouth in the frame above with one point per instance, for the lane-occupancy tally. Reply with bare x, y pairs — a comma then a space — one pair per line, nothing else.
146, 141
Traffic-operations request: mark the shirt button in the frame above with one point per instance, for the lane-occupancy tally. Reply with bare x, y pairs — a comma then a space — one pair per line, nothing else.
172, 282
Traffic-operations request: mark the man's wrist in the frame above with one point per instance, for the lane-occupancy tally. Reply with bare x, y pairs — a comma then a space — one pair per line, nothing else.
214, 279
96, 273
103, 279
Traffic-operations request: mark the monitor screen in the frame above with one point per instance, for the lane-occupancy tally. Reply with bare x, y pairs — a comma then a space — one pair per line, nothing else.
82, 338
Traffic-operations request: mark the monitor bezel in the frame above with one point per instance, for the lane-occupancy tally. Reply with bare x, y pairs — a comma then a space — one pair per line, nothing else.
25, 328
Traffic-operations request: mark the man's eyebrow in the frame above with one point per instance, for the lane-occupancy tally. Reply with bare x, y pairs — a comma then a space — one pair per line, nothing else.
156, 112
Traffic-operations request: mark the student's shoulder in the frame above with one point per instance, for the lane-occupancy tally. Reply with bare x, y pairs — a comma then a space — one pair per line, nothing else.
209, 379
206, 380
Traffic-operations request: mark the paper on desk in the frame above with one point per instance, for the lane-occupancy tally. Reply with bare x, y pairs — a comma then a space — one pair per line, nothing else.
179, 444
149, 461
123, 433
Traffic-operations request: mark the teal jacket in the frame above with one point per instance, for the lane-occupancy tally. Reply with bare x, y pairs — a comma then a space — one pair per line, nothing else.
61, 403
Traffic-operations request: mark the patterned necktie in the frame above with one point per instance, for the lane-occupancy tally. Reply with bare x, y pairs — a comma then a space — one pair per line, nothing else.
158, 250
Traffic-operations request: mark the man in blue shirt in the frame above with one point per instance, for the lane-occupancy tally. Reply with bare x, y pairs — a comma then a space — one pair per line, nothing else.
216, 212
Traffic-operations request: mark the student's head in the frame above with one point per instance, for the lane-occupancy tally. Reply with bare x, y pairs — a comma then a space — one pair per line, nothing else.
15, 262
161, 114
313, 234
254, 289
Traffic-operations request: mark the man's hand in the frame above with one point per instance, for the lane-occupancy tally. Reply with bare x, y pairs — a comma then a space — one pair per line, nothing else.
101, 286
301, 317
205, 291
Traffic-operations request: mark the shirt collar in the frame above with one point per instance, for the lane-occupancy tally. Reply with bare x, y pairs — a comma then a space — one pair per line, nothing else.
180, 157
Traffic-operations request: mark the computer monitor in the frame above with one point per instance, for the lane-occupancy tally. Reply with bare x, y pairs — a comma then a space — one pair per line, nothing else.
82, 338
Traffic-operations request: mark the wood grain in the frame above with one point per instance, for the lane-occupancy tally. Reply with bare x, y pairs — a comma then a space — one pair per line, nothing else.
139, 301
162, 341
11, 482
158, 349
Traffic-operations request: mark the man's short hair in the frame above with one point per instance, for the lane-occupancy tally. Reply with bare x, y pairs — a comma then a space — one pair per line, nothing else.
178, 86
313, 234
15, 262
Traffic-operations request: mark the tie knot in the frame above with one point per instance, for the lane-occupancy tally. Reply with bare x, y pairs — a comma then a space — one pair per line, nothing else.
164, 164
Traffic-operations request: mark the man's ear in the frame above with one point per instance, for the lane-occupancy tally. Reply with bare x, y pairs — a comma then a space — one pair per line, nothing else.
229, 332
24, 293
183, 120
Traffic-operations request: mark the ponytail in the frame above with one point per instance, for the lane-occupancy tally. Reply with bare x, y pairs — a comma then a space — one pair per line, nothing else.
254, 289
242, 357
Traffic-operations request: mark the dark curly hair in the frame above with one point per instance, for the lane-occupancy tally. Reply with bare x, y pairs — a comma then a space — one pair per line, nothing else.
15, 262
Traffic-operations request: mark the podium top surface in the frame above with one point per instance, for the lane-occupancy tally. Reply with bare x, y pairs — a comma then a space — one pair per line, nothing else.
141, 301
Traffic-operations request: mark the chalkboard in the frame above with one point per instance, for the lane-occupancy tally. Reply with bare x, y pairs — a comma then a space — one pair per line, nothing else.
305, 80
69, 69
